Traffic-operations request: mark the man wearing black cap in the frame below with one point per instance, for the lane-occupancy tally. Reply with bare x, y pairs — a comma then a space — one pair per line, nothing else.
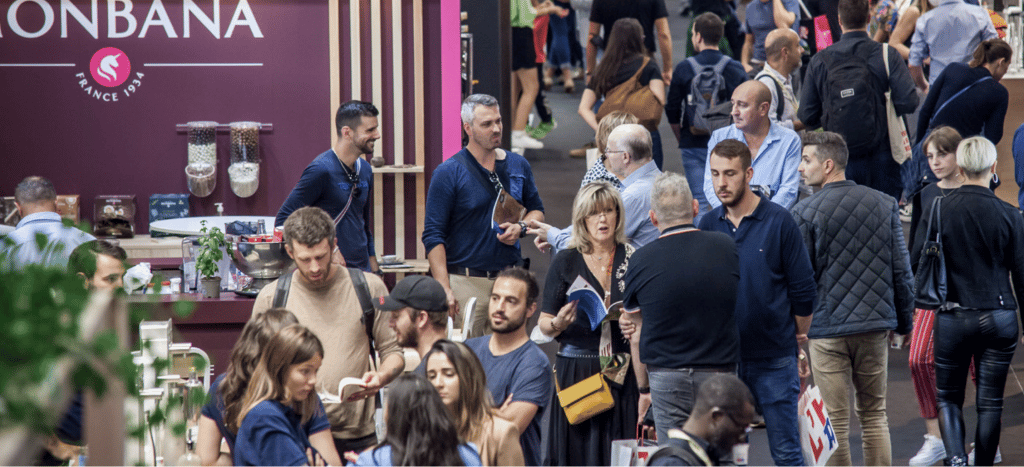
419, 317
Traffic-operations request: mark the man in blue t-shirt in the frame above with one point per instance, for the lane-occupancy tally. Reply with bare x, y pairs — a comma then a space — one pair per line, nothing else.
775, 297
464, 248
516, 368
340, 182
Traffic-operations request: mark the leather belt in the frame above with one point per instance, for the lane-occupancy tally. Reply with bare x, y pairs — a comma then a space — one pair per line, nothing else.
470, 272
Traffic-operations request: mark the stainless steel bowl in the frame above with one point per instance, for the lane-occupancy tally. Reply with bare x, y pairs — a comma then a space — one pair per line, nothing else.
261, 260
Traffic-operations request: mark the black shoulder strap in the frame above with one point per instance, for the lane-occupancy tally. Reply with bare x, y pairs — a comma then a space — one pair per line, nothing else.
363, 292
284, 283
461, 157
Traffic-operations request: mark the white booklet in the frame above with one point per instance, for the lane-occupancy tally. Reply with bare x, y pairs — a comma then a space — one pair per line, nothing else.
346, 387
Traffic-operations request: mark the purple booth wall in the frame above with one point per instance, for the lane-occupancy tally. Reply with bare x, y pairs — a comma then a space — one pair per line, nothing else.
90, 146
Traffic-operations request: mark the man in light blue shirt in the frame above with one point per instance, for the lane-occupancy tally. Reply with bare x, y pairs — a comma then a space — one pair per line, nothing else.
630, 158
947, 33
776, 149
37, 202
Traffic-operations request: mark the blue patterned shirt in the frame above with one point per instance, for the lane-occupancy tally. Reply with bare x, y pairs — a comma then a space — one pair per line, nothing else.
775, 164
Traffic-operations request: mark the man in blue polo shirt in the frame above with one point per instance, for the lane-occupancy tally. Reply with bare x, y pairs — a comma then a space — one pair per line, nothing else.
775, 297
464, 251
340, 182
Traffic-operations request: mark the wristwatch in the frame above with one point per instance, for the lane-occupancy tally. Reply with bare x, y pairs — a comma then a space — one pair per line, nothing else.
522, 229
646, 390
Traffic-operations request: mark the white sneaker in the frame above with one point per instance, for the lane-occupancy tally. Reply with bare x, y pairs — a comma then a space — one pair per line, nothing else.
997, 460
931, 452
522, 140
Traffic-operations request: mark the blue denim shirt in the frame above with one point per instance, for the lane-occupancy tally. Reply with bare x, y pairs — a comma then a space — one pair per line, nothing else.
459, 210
62, 240
949, 33
775, 164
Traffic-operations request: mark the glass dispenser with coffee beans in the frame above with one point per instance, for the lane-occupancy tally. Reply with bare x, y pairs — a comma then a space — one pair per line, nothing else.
201, 170
244, 170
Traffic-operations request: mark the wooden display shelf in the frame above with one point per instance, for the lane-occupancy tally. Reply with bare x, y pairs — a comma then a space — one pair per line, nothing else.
399, 169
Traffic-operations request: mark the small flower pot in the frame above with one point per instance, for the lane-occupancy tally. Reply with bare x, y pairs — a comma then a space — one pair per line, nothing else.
211, 287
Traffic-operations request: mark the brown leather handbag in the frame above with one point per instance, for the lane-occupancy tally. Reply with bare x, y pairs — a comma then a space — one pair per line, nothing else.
634, 98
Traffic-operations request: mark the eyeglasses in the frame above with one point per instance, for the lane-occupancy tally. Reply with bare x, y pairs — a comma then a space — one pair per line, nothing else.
609, 151
595, 215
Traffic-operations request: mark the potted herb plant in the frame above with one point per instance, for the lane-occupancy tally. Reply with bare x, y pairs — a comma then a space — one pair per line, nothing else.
210, 252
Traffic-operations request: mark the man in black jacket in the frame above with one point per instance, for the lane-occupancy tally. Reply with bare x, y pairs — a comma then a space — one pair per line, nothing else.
841, 96
862, 268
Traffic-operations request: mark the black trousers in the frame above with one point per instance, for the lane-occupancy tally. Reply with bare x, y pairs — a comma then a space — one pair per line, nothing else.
990, 338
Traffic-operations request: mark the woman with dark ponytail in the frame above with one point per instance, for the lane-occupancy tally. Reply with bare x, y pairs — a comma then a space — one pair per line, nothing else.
967, 98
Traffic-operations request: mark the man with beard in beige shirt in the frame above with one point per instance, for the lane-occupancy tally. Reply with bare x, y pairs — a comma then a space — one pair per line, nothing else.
323, 297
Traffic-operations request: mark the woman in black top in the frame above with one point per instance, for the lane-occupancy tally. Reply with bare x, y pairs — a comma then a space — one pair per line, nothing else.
599, 254
968, 98
623, 57
984, 239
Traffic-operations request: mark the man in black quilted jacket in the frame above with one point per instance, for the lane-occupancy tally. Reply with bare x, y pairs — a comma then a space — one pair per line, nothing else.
861, 265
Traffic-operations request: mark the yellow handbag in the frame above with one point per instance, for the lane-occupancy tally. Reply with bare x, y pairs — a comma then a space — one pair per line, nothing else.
585, 398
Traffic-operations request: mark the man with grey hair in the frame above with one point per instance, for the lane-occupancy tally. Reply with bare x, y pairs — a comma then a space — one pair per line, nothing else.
630, 158
466, 252
862, 268
680, 301
37, 202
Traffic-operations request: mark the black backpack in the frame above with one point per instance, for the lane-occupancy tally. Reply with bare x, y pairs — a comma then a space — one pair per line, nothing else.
852, 103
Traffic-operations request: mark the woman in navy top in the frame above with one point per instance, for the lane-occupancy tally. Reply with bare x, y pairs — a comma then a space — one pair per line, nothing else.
968, 98
280, 401
227, 390
420, 429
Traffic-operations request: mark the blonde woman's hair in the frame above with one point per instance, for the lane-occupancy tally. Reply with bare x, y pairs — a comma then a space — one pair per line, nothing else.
591, 199
608, 123
292, 345
975, 155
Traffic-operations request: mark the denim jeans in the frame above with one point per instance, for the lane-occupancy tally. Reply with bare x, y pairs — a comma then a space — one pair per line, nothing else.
694, 160
656, 150
673, 393
862, 359
776, 386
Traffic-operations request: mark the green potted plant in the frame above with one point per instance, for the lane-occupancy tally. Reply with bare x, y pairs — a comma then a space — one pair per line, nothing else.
210, 252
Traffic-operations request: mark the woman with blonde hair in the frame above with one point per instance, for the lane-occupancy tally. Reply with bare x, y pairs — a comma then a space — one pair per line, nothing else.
227, 390
280, 403
459, 378
984, 261
599, 253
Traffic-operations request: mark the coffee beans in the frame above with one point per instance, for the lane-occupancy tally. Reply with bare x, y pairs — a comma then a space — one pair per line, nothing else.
245, 142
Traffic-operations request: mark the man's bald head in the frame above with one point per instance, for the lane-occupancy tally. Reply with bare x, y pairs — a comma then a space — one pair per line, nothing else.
779, 40
750, 103
753, 91
634, 139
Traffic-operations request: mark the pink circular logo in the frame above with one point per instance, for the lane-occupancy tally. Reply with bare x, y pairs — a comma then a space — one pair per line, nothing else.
110, 67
